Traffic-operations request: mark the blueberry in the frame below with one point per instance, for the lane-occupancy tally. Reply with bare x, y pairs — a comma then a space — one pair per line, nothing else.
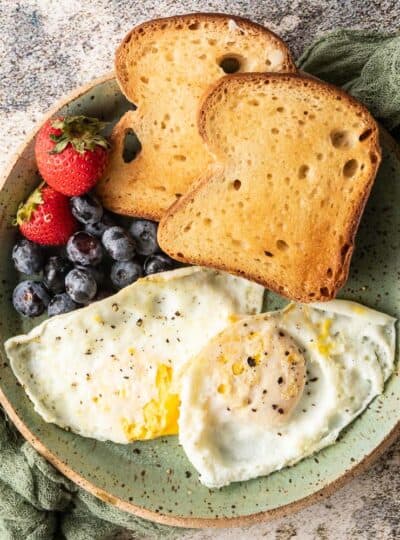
85, 249
61, 303
124, 273
119, 244
98, 229
54, 273
144, 233
86, 208
30, 298
28, 257
95, 271
80, 285
158, 263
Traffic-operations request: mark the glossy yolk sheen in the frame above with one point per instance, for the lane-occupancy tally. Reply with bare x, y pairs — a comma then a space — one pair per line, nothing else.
160, 414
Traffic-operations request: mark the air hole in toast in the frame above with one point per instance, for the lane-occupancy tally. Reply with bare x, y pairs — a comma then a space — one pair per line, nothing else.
179, 254
329, 272
131, 147
282, 245
350, 168
180, 157
373, 157
254, 102
187, 227
319, 156
341, 139
311, 294
268, 254
275, 131
280, 109
236, 184
303, 171
144, 80
207, 221
193, 26
324, 291
229, 64
365, 135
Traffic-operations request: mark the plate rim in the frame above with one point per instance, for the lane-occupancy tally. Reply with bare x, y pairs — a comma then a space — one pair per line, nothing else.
140, 511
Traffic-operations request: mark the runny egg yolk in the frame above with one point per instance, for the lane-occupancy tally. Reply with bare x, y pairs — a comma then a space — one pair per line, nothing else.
324, 343
160, 414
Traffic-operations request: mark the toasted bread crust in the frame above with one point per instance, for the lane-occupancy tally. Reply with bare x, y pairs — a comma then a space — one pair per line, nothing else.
171, 87
190, 18
324, 288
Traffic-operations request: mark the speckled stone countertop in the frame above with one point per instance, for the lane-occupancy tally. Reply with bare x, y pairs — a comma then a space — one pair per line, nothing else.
48, 47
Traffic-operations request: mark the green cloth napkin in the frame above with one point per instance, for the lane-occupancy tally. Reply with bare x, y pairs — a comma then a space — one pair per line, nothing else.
37, 502
366, 64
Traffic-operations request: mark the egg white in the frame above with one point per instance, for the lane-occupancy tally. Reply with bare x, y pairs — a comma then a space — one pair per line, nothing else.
232, 433
108, 371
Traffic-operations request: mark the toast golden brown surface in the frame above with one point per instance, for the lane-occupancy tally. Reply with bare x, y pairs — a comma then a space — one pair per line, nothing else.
164, 67
295, 161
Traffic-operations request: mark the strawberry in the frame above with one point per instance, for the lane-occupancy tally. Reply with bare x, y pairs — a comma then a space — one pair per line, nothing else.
46, 217
71, 154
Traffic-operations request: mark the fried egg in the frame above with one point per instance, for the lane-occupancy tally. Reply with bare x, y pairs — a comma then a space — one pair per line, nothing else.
109, 371
274, 388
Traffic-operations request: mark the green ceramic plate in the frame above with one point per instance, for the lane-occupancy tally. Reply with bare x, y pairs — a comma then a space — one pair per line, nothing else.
154, 479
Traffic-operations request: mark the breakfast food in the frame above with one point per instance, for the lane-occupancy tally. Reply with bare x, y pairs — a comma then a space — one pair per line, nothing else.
296, 161
164, 67
271, 188
274, 388
46, 217
101, 257
71, 153
30, 298
27, 256
108, 371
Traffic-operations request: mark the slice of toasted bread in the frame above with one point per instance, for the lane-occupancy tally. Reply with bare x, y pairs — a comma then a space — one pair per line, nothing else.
296, 162
164, 67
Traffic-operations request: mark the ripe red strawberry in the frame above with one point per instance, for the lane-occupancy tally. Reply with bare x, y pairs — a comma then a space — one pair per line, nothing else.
46, 217
71, 154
